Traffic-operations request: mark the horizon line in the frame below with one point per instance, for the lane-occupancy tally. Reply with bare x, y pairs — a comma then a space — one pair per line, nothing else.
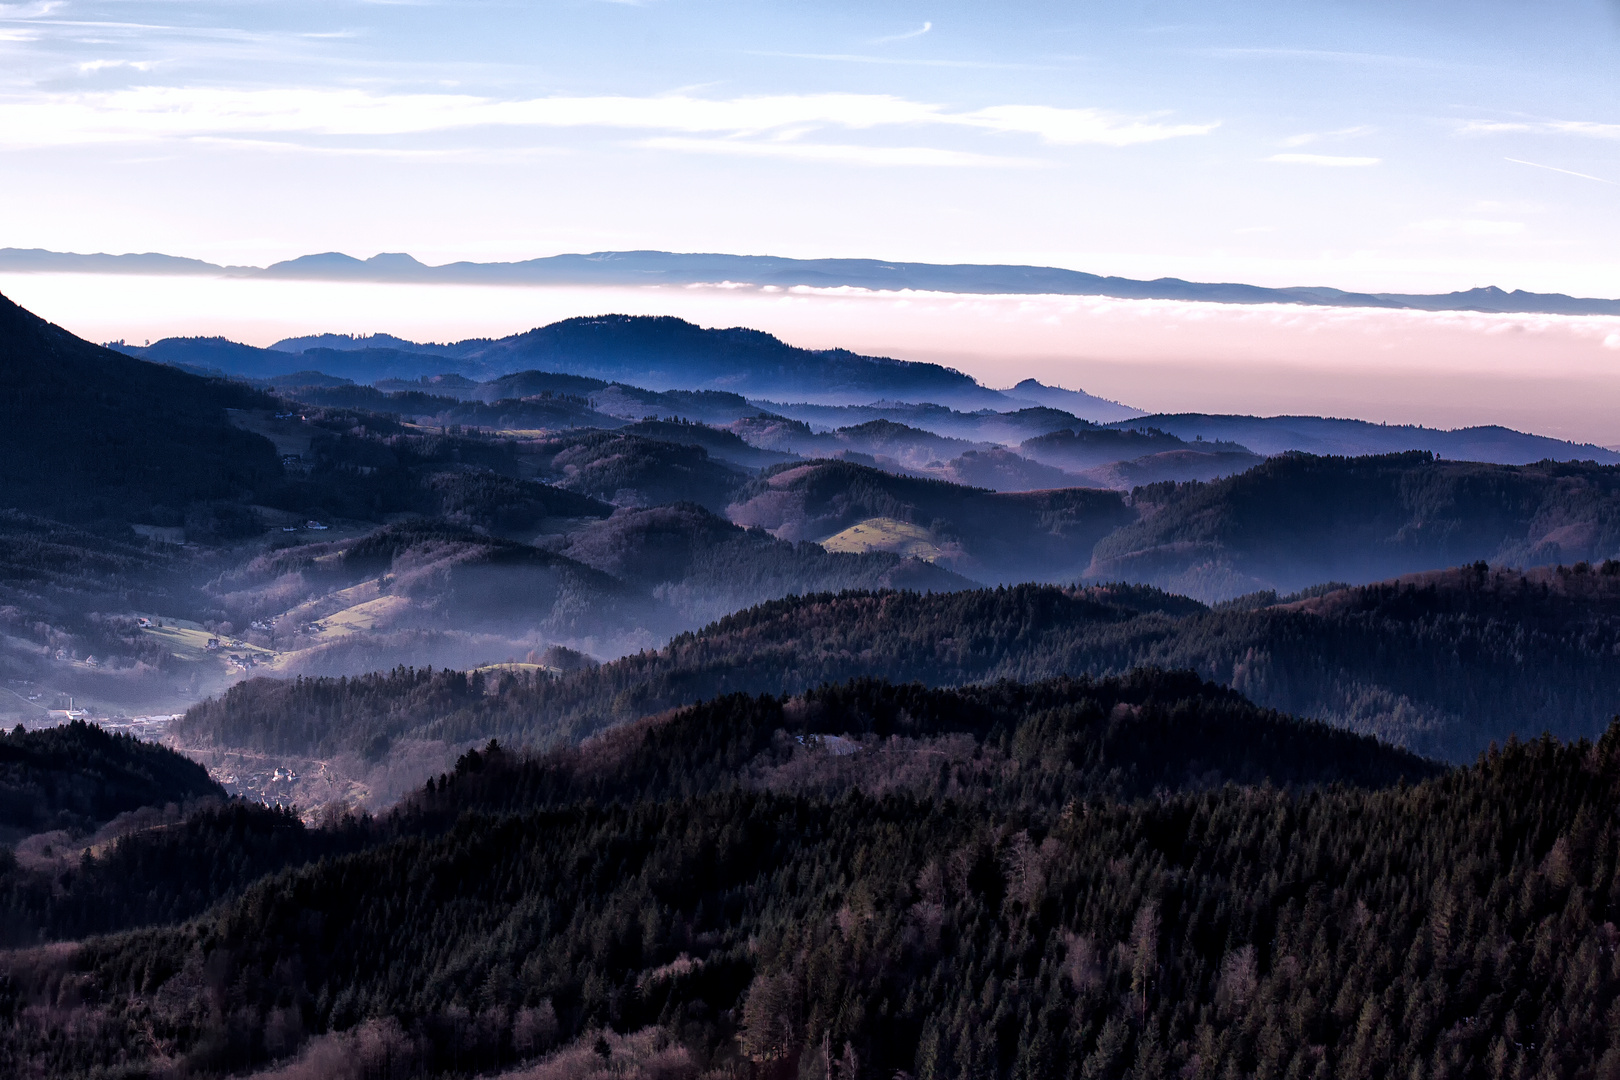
657, 267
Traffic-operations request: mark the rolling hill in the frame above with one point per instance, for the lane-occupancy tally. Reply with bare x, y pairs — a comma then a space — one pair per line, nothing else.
984, 535
1442, 663
706, 567
74, 778
1297, 520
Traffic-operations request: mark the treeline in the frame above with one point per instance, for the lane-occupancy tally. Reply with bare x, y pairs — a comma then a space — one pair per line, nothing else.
1458, 925
1443, 664
1026, 748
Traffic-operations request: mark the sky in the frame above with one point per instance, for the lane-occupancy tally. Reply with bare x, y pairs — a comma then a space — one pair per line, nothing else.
1364, 144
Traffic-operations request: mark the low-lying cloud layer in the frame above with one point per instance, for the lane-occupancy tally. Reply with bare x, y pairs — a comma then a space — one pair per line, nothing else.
1550, 374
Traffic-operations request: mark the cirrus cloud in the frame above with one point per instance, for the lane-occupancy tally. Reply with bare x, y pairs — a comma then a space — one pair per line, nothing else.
159, 112
1590, 129
1073, 127
844, 154
1331, 161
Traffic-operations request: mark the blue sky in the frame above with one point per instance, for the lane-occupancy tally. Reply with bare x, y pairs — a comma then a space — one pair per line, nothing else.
1430, 145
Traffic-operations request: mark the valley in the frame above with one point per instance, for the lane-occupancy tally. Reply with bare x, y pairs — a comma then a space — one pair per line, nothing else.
445, 522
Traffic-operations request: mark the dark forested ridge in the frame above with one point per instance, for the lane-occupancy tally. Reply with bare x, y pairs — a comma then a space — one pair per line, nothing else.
90, 436
77, 776
157, 867
1148, 733
871, 879
1443, 663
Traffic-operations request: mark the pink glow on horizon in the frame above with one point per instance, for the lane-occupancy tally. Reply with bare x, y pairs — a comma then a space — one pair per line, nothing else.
1554, 375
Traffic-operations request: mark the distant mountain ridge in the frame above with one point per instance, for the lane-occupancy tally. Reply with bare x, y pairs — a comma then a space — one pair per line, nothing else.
1325, 435
828, 388
656, 352
677, 268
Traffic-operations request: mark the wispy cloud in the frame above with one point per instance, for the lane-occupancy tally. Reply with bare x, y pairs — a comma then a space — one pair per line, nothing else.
90, 67
1468, 227
1556, 169
29, 11
144, 113
1308, 137
1330, 161
1073, 127
899, 61
1587, 128
459, 154
885, 156
907, 36
1328, 55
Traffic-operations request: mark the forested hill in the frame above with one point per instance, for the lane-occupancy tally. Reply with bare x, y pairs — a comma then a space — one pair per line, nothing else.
88, 434
1027, 747
1442, 663
632, 908
1296, 520
77, 776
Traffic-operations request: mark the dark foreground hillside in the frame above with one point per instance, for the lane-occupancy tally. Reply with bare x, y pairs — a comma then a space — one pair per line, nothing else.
1152, 732
77, 776
769, 889
1441, 663
89, 435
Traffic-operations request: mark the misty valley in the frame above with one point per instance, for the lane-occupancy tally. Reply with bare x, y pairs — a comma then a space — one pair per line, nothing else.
631, 700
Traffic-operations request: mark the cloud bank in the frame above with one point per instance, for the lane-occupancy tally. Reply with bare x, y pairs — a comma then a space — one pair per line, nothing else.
1552, 374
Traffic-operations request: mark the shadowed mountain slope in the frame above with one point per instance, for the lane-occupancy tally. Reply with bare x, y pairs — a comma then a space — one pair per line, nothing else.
87, 434
707, 567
